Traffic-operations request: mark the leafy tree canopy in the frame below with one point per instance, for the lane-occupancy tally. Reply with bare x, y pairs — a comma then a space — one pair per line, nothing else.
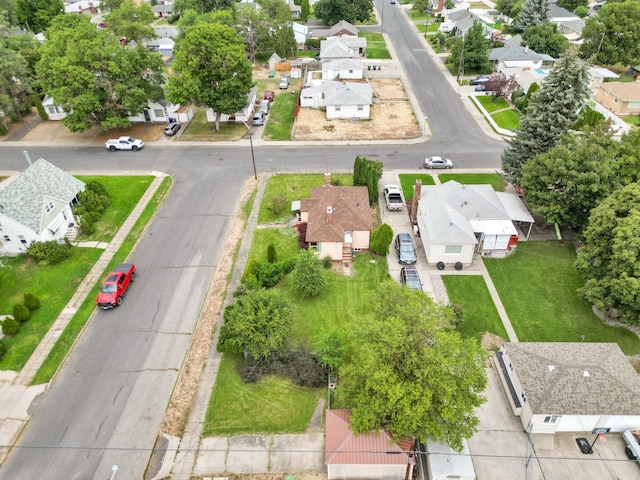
476, 48
550, 112
613, 34
510, 8
609, 260
131, 21
307, 276
95, 79
353, 11
545, 39
211, 69
15, 76
564, 184
413, 376
257, 323
628, 160
279, 36
571, 5
532, 13
36, 15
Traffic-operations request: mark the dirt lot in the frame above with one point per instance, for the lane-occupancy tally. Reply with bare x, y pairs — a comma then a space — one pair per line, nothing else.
391, 118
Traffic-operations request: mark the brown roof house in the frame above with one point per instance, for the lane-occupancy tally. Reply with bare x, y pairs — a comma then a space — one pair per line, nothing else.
368, 456
622, 98
338, 220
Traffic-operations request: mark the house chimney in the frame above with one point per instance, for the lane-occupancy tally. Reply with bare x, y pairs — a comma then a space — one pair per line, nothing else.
526, 49
417, 189
327, 179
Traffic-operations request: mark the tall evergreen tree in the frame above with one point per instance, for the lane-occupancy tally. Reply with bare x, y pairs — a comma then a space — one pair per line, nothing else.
550, 113
532, 13
476, 48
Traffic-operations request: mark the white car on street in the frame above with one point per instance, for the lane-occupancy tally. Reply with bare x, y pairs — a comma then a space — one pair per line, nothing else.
437, 162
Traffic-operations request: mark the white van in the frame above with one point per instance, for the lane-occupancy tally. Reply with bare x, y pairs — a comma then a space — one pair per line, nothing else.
284, 82
446, 27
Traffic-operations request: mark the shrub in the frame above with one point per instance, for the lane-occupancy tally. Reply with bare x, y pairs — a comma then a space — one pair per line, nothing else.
299, 365
3, 129
277, 205
327, 262
40, 108
10, 327
51, 252
86, 224
272, 256
302, 236
336, 182
3, 347
270, 274
31, 301
20, 312
308, 278
381, 239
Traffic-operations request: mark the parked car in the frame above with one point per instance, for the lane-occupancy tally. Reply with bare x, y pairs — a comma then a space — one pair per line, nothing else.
124, 143
116, 285
479, 80
284, 82
410, 277
264, 107
258, 119
269, 95
171, 129
405, 249
481, 88
437, 162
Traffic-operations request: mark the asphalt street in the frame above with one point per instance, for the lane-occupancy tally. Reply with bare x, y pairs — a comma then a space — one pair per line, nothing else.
106, 406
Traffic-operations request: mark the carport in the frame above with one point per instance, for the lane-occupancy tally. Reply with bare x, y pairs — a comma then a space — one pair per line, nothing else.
516, 210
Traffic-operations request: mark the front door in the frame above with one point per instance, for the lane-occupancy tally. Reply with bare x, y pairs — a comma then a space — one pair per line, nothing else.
348, 237
147, 116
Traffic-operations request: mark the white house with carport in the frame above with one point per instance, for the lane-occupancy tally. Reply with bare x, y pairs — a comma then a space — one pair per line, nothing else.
341, 100
455, 221
36, 206
245, 114
342, 69
569, 387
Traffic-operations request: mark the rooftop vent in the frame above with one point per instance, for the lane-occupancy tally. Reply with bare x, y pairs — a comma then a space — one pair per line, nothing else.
585, 373
329, 209
551, 368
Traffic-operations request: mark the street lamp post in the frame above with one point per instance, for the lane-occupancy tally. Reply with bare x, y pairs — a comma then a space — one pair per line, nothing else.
253, 157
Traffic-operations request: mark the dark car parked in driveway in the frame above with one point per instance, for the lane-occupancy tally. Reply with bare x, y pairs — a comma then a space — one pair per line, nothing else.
405, 249
479, 80
409, 276
171, 129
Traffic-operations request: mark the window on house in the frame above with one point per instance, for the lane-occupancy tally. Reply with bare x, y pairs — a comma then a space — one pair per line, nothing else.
453, 249
350, 71
337, 109
550, 419
314, 246
615, 99
22, 239
51, 110
360, 108
6, 238
49, 207
158, 112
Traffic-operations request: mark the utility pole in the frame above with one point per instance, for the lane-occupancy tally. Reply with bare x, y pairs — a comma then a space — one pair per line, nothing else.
461, 64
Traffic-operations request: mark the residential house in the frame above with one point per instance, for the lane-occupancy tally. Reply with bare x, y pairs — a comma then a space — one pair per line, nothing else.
36, 207
455, 221
338, 220
463, 21
341, 100
342, 69
301, 33
163, 10
54, 111
296, 11
343, 28
157, 112
335, 48
569, 24
519, 57
622, 98
441, 462
597, 76
243, 115
83, 7
163, 45
370, 456
569, 387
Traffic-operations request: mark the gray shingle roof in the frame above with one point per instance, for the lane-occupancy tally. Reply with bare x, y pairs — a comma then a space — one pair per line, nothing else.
342, 64
24, 198
610, 386
517, 53
349, 93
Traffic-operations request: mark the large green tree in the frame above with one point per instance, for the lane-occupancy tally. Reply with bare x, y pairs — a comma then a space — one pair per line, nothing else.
353, 11
609, 260
280, 37
253, 26
571, 5
532, 13
131, 21
474, 48
15, 75
564, 184
211, 69
36, 15
613, 35
510, 8
550, 113
628, 161
367, 173
545, 39
414, 375
307, 277
98, 81
257, 324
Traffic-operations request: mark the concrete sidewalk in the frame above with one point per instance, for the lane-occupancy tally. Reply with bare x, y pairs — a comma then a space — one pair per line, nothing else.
16, 395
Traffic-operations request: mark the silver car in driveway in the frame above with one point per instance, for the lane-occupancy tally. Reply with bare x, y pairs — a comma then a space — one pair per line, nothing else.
437, 162
405, 249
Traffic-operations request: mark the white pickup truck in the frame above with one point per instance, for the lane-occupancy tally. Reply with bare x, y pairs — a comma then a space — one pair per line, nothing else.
393, 197
124, 143
632, 439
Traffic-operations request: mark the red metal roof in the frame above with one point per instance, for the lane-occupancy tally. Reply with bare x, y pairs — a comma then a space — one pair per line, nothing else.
343, 447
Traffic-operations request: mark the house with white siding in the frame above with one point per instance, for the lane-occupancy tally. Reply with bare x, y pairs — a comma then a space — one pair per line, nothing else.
245, 114
342, 69
338, 220
341, 100
569, 387
36, 206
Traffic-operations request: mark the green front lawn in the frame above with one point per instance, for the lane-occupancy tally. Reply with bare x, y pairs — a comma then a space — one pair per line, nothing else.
408, 180
496, 181
538, 285
632, 120
199, 129
492, 104
124, 193
480, 314
285, 241
290, 188
274, 404
376, 46
509, 119
280, 119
